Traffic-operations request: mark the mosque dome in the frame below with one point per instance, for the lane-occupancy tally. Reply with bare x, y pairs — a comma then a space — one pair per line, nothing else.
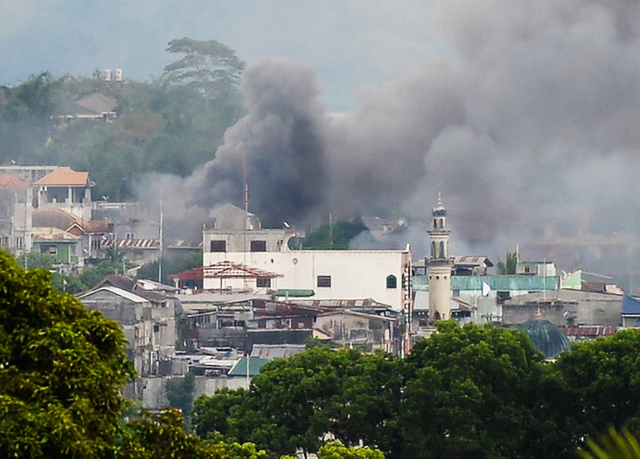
546, 337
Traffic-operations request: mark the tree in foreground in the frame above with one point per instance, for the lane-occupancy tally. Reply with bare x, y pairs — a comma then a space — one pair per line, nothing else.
603, 379
468, 393
614, 444
164, 437
62, 370
294, 403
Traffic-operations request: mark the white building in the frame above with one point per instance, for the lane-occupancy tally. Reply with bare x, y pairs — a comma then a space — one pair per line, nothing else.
327, 274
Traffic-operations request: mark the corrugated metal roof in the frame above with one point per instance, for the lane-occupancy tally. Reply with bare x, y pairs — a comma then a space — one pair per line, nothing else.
472, 260
630, 305
498, 283
225, 270
135, 243
272, 351
255, 364
58, 218
53, 234
591, 332
117, 291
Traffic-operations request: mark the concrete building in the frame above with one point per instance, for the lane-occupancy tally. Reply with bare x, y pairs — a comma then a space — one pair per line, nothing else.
16, 209
148, 323
439, 266
325, 274
65, 189
590, 308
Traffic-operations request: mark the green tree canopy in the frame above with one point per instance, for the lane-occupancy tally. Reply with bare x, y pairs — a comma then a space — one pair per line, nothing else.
294, 403
468, 392
209, 66
603, 380
508, 266
335, 236
62, 370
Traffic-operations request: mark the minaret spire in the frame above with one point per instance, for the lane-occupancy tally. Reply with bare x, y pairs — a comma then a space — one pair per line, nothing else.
439, 264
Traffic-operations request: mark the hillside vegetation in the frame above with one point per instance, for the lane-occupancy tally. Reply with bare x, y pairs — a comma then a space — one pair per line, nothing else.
172, 124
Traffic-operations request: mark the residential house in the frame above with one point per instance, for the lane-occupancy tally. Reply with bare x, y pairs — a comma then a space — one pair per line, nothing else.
66, 189
16, 209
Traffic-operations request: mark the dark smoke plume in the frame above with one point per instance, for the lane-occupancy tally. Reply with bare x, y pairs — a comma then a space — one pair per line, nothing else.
282, 140
528, 127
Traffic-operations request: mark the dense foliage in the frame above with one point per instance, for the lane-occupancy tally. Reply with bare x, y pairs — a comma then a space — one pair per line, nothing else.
171, 264
472, 391
171, 125
62, 369
335, 236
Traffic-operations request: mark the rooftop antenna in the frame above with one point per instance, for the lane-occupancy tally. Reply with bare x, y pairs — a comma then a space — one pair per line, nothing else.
245, 181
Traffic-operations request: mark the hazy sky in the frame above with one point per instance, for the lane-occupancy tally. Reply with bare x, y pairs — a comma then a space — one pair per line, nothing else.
350, 43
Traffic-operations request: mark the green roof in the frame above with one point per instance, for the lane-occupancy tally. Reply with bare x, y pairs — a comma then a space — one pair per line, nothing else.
546, 337
295, 293
498, 283
255, 364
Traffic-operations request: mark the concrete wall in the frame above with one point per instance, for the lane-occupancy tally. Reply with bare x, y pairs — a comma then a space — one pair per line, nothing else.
240, 241
152, 390
593, 308
355, 274
519, 314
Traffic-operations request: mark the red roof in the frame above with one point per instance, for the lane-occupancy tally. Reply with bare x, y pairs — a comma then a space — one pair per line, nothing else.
590, 331
64, 176
135, 243
225, 270
11, 181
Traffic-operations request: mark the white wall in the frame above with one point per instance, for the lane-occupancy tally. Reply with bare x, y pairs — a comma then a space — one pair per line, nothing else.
355, 274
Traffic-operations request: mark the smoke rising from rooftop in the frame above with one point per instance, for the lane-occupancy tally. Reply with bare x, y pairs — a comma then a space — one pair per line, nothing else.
531, 118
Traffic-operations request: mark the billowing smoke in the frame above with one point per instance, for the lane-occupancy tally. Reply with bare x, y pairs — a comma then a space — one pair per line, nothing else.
529, 123
281, 139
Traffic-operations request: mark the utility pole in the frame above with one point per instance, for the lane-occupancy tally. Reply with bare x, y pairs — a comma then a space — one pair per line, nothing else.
161, 237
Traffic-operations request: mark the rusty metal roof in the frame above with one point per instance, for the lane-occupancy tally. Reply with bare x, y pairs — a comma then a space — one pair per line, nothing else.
225, 270
149, 244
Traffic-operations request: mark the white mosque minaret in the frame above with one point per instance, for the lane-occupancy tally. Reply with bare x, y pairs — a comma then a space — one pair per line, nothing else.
439, 265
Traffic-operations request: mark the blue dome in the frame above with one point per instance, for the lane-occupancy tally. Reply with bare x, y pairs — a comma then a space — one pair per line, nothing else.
546, 337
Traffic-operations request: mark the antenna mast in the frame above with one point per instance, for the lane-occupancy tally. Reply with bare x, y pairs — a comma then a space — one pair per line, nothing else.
245, 181
161, 237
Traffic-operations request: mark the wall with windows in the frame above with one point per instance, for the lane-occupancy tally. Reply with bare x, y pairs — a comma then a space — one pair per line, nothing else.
331, 274
271, 240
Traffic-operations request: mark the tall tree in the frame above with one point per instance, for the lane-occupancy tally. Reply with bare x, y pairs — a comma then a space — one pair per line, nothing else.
210, 66
509, 265
62, 370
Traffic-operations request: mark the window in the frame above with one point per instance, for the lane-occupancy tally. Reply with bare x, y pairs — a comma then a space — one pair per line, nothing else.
258, 246
129, 236
262, 282
442, 254
19, 242
392, 281
324, 281
218, 246
50, 249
